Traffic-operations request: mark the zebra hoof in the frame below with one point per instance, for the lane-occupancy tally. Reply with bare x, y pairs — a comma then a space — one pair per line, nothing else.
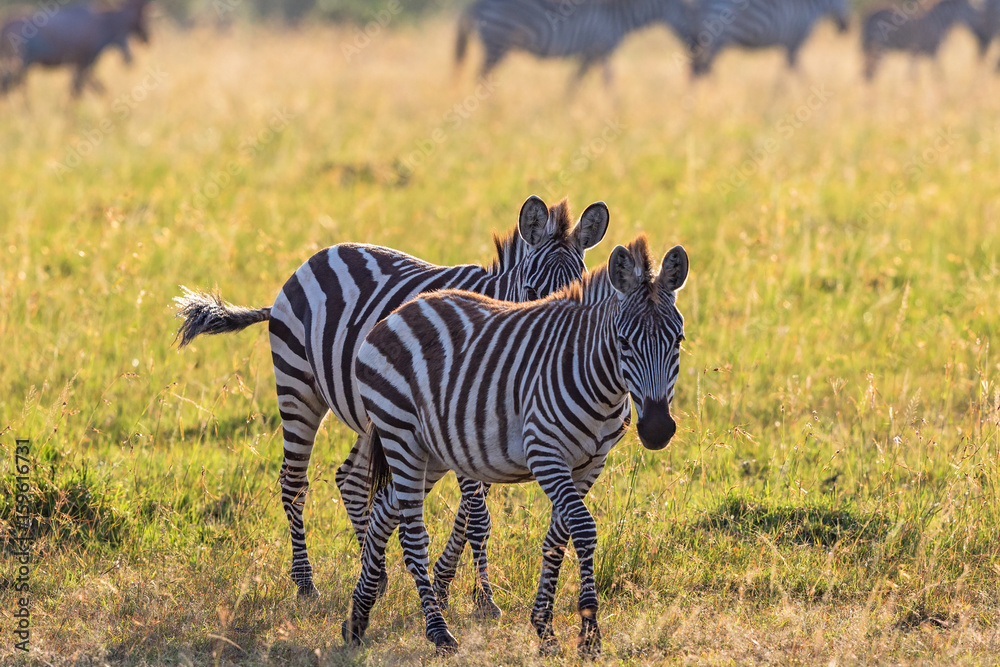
308, 592
353, 632
549, 648
589, 642
487, 609
444, 641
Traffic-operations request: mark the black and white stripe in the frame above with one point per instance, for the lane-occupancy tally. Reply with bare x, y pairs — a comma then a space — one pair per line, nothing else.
321, 316
504, 393
589, 30
757, 24
918, 35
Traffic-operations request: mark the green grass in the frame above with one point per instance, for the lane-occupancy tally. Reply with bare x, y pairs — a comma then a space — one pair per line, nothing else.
831, 495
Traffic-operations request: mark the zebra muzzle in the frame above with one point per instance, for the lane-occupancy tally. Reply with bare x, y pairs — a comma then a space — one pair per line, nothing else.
656, 427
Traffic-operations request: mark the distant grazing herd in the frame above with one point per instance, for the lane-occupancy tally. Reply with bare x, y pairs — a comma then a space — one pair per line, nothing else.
587, 30
591, 30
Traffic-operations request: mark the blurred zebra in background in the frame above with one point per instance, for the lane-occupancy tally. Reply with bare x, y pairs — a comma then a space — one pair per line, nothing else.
921, 35
589, 30
758, 24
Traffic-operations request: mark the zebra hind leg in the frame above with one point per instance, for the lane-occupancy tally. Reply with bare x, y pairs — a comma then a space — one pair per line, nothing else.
478, 533
446, 565
354, 485
301, 411
412, 481
382, 522
472, 523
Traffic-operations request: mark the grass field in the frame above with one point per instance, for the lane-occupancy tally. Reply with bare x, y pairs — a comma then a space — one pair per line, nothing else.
831, 496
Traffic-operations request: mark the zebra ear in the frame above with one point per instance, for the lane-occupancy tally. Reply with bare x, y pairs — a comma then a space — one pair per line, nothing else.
674, 270
593, 225
623, 272
533, 220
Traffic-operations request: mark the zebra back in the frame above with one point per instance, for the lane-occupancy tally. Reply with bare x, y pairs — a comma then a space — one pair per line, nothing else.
758, 24
561, 28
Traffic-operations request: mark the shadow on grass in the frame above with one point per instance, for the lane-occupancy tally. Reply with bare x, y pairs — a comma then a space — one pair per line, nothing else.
73, 508
812, 524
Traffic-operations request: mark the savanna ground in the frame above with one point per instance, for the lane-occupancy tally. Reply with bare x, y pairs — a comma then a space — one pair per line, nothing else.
831, 496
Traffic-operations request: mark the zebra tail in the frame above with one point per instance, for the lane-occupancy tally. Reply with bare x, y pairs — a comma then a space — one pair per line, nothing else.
379, 474
207, 313
462, 39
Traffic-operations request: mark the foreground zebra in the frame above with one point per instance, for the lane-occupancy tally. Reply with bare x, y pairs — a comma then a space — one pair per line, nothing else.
893, 30
757, 24
504, 393
320, 319
590, 30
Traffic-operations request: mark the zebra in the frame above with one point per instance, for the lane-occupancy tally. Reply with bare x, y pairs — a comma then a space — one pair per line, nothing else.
505, 393
322, 314
895, 30
757, 24
590, 30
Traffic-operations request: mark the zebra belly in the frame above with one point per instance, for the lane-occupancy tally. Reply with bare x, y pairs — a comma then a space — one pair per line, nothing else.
493, 460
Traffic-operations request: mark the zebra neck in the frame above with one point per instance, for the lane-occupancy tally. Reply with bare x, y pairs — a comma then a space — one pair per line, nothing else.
600, 334
501, 287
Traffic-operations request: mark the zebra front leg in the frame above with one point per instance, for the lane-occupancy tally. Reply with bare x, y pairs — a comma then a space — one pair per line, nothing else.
568, 509
382, 522
301, 411
553, 553
353, 483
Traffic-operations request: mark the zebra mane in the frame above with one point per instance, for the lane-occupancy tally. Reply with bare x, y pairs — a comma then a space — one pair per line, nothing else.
595, 286
511, 247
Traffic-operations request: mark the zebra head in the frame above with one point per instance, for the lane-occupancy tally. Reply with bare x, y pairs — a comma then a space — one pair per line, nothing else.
840, 11
649, 331
554, 255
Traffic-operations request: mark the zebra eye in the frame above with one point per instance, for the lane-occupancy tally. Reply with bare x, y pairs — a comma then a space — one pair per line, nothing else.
623, 345
531, 293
